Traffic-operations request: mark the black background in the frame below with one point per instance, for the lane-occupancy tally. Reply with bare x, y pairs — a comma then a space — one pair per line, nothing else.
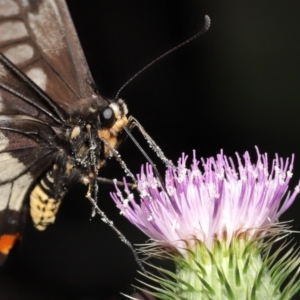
234, 88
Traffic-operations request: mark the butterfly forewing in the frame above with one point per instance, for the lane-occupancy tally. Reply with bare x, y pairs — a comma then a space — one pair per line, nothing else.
39, 37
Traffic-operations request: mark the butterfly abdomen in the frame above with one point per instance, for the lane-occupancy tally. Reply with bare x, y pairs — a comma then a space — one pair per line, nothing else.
45, 200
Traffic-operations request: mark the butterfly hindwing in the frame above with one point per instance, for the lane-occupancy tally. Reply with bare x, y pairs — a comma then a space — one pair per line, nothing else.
28, 143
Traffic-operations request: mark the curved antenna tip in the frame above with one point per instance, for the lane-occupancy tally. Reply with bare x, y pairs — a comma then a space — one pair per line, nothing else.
207, 22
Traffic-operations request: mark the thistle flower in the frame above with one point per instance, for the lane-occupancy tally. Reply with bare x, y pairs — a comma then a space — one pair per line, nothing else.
220, 224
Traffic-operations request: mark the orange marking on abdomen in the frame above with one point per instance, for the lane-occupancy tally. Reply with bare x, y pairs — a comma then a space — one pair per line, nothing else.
7, 241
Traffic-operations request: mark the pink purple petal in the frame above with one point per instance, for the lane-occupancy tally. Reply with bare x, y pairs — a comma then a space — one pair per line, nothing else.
204, 203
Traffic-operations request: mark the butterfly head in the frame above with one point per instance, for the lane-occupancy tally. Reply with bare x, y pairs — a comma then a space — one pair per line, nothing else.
97, 131
112, 120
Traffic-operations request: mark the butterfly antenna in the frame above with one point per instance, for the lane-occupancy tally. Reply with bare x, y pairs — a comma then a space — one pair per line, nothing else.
206, 26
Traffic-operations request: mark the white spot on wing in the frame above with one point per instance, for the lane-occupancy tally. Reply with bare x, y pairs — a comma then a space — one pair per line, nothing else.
14, 191
10, 30
3, 142
19, 190
19, 54
49, 34
1, 104
24, 3
10, 167
5, 190
3, 70
8, 8
38, 76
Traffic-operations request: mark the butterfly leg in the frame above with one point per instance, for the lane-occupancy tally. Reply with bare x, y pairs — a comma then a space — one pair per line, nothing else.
110, 223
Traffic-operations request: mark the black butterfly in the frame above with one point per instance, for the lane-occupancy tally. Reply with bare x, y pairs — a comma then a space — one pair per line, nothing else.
54, 127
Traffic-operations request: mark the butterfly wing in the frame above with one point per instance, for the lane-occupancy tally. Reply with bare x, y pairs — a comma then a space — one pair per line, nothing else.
38, 36
41, 40
28, 141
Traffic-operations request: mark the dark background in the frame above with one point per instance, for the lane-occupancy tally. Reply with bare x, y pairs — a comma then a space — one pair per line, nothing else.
234, 88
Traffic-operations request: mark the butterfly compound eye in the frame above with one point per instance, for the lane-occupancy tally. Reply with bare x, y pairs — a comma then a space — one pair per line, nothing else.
107, 117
